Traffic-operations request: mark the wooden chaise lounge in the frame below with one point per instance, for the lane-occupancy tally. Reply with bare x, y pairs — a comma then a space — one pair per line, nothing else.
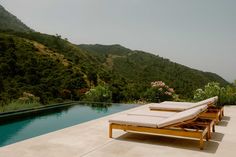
167, 114
213, 111
182, 124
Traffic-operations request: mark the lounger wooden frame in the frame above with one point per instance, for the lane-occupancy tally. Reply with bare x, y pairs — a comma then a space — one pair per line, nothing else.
191, 128
206, 122
214, 112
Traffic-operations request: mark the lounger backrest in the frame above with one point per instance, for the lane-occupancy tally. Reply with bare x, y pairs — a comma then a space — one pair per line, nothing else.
181, 106
209, 101
180, 117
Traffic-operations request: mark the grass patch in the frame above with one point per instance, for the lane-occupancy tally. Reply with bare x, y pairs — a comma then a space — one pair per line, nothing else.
16, 105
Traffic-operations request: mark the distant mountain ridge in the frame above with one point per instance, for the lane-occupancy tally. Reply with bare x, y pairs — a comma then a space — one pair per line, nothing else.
54, 69
9, 21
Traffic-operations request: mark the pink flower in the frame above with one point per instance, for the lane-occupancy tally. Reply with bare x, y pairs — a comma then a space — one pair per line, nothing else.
171, 90
168, 93
157, 84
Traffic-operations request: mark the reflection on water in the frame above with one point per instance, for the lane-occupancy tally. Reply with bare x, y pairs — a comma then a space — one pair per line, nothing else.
100, 107
54, 120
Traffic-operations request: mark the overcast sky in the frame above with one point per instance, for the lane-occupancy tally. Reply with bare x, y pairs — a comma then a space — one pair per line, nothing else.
197, 33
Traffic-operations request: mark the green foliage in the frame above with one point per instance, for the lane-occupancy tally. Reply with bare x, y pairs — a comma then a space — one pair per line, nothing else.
140, 68
234, 84
210, 90
15, 105
24, 67
27, 101
19, 105
159, 92
28, 98
100, 93
226, 95
57, 69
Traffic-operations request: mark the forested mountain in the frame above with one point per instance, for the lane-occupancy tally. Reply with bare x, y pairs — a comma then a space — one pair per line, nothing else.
9, 21
142, 68
47, 66
54, 69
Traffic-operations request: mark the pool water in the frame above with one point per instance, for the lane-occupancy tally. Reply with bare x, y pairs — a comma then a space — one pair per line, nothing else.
26, 128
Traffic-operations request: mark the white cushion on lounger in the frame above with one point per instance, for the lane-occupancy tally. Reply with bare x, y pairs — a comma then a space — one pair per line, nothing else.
181, 116
169, 107
204, 102
208, 101
148, 112
181, 106
134, 120
178, 103
184, 105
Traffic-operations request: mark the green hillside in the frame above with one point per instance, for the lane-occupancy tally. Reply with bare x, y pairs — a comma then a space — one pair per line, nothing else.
29, 66
9, 21
54, 69
142, 68
49, 67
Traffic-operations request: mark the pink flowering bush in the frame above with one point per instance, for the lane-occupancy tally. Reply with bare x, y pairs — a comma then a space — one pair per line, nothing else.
159, 92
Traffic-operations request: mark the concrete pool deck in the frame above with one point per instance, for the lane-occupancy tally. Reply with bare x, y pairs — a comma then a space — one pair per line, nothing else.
90, 139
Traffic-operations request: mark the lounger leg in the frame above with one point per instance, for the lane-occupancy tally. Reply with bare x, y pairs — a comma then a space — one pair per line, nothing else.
217, 120
110, 130
208, 135
221, 114
201, 143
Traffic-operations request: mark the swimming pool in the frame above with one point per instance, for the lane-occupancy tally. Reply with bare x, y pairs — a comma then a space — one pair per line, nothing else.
60, 118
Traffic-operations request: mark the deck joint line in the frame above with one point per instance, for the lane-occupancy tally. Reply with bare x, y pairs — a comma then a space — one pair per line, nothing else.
96, 148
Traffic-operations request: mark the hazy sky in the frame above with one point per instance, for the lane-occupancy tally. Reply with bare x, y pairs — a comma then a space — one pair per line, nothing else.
198, 33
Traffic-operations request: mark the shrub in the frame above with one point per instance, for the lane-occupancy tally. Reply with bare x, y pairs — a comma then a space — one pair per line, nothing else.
100, 93
210, 90
227, 95
159, 92
28, 98
16, 105
27, 101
